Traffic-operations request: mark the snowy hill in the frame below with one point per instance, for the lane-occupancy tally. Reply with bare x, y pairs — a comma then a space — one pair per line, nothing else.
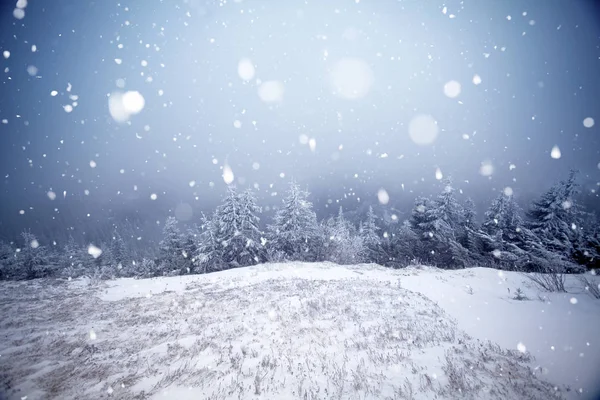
298, 330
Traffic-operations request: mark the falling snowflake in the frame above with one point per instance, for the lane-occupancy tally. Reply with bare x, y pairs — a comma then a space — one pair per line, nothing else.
423, 129
351, 78
452, 89
271, 91
383, 196
94, 251
227, 174
588, 122
487, 168
246, 69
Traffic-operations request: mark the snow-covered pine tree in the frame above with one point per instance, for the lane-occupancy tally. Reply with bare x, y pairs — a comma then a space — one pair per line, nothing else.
555, 217
472, 239
190, 247
250, 237
32, 258
421, 224
236, 223
587, 249
406, 246
171, 259
8, 261
295, 232
439, 224
446, 208
344, 246
118, 252
373, 250
147, 269
73, 261
469, 214
209, 251
503, 219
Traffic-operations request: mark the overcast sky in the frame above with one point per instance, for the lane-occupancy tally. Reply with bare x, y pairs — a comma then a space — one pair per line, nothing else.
347, 97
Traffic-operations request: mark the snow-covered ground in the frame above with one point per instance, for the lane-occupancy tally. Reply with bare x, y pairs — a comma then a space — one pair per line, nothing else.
311, 331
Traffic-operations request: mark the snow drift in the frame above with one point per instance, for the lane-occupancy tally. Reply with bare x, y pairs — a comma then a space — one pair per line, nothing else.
311, 331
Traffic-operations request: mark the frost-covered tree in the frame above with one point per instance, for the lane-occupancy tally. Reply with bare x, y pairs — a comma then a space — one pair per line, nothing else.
148, 269
555, 218
190, 247
469, 214
447, 209
236, 225
469, 238
32, 258
406, 246
118, 251
171, 258
587, 247
8, 261
74, 262
439, 224
295, 232
373, 250
343, 244
209, 251
503, 219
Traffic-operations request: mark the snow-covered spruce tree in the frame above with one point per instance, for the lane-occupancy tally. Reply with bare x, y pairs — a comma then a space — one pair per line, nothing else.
8, 261
118, 252
555, 218
469, 214
237, 231
420, 221
406, 246
250, 238
190, 247
295, 232
147, 269
438, 223
448, 209
171, 259
32, 258
373, 249
344, 245
73, 260
469, 238
208, 256
503, 219
588, 246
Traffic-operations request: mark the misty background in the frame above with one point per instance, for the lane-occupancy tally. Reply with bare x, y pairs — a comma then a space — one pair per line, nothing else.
528, 75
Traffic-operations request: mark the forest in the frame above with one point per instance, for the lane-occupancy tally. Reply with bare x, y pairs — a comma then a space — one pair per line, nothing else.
554, 235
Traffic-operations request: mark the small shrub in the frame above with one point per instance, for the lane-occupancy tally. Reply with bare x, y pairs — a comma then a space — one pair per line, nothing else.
590, 286
519, 295
549, 281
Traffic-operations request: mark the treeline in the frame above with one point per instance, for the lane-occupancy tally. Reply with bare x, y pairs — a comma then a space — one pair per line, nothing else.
554, 235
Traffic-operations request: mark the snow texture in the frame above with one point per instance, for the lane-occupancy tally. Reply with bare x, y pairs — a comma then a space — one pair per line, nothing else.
297, 330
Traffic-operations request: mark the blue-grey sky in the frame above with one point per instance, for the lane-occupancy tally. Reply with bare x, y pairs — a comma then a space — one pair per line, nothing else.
320, 91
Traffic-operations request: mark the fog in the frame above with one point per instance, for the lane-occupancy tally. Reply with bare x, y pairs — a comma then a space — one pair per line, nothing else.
319, 92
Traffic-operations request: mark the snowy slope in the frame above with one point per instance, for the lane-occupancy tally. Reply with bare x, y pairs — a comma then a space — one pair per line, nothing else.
279, 331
